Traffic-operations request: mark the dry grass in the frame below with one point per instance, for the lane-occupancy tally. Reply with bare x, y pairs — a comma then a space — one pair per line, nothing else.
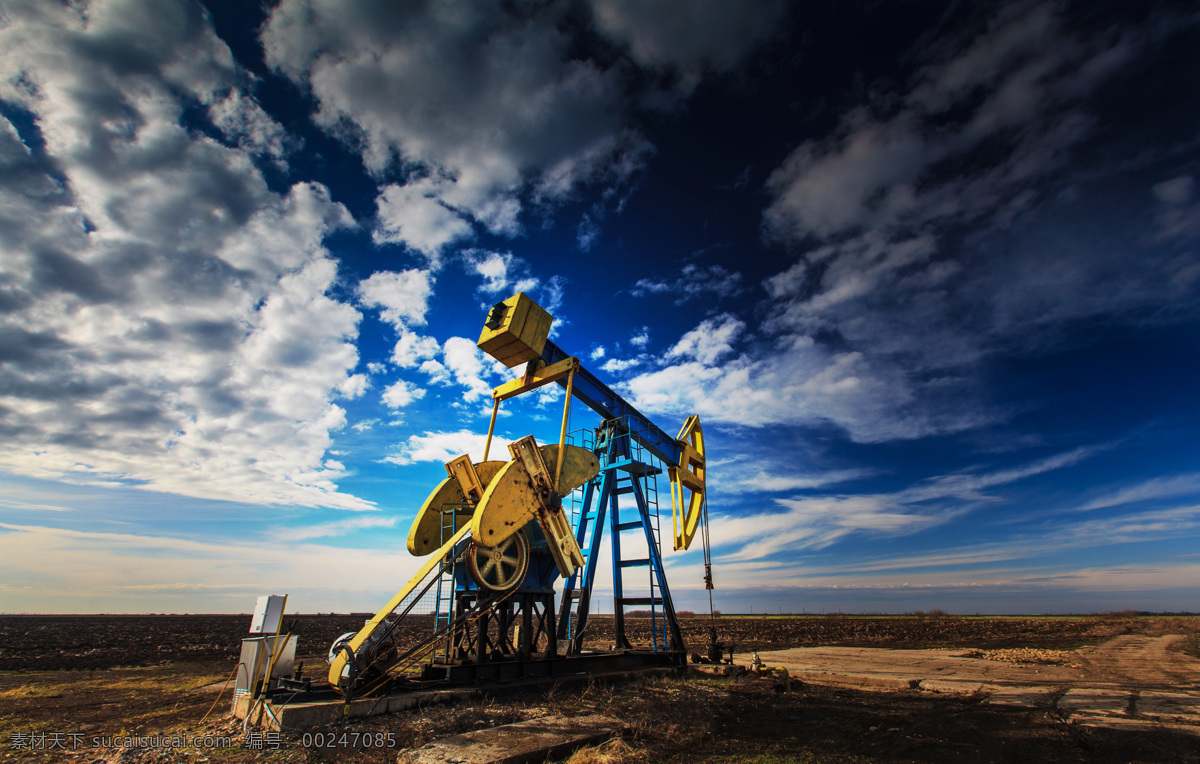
615, 751
1192, 646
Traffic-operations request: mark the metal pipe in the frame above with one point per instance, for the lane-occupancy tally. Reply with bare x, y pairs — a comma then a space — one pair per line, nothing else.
562, 435
491, 426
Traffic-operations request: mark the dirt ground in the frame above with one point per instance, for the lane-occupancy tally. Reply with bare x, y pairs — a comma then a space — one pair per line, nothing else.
113, 714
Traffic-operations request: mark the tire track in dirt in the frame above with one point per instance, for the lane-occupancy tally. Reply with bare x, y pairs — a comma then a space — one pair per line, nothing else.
1141, 662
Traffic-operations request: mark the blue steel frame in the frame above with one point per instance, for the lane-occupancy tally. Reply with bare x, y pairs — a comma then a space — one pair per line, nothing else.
600, 502
601, 399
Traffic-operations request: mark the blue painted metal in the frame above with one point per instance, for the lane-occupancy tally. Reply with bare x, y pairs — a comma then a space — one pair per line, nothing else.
621, 474
600, 398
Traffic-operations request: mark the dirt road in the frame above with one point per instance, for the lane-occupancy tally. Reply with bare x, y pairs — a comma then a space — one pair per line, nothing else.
1128, 681
1137, 661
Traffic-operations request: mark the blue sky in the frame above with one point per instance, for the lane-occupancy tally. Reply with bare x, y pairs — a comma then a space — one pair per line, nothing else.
927, 272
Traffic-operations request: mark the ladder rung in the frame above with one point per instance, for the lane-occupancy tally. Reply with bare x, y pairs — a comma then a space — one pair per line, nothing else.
629, 526
634, 563
623, 491
626, 601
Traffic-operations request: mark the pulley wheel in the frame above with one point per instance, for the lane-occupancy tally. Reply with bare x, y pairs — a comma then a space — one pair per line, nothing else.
499, 568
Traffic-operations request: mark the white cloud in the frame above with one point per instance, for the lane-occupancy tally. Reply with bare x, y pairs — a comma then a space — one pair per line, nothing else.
354, 386
641, 338
587, 232
816, 522
402, 295
438, 373
1149, 490
498, 270
779, 480
597, 353
551, 298
416, 215
470, 367
400, 393
242, 120
798, 382
617, 365
709, 341
413, 349
441, 447
173, 324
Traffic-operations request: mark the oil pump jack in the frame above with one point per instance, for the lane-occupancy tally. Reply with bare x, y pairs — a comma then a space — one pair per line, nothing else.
497, 535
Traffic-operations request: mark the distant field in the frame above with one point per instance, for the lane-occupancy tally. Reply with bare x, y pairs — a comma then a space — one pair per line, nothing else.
33, 642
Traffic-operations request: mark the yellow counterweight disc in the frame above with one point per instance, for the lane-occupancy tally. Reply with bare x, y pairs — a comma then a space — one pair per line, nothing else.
425, 535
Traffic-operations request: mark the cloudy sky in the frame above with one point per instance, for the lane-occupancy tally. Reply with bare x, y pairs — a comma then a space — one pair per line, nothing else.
928, 272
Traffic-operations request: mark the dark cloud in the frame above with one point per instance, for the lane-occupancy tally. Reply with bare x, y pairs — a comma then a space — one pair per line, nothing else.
26, 347
221, 335
967, 211
693, 282
906, 217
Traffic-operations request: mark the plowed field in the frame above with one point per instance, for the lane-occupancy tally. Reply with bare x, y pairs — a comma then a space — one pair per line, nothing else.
85, 685
97, 641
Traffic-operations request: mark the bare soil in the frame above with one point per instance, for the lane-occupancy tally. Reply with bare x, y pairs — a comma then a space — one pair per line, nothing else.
53, 642
159, 675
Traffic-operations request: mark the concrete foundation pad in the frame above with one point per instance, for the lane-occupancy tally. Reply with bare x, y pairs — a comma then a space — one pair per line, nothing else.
534, 740
296, 716
1169, 705
302, 715
1090, 700
1027, 697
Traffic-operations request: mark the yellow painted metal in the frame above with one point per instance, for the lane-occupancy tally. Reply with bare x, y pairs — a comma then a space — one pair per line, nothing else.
468, 479
562, 434
555, 525
340, 660
686, 511
513, 499
535, 378
509, 503
426, 532
561, 539
520, 335
579, 465
487, 445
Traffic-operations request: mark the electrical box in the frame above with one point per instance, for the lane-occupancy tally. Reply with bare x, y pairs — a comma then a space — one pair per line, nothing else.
255, 661
268, 612
515, 331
